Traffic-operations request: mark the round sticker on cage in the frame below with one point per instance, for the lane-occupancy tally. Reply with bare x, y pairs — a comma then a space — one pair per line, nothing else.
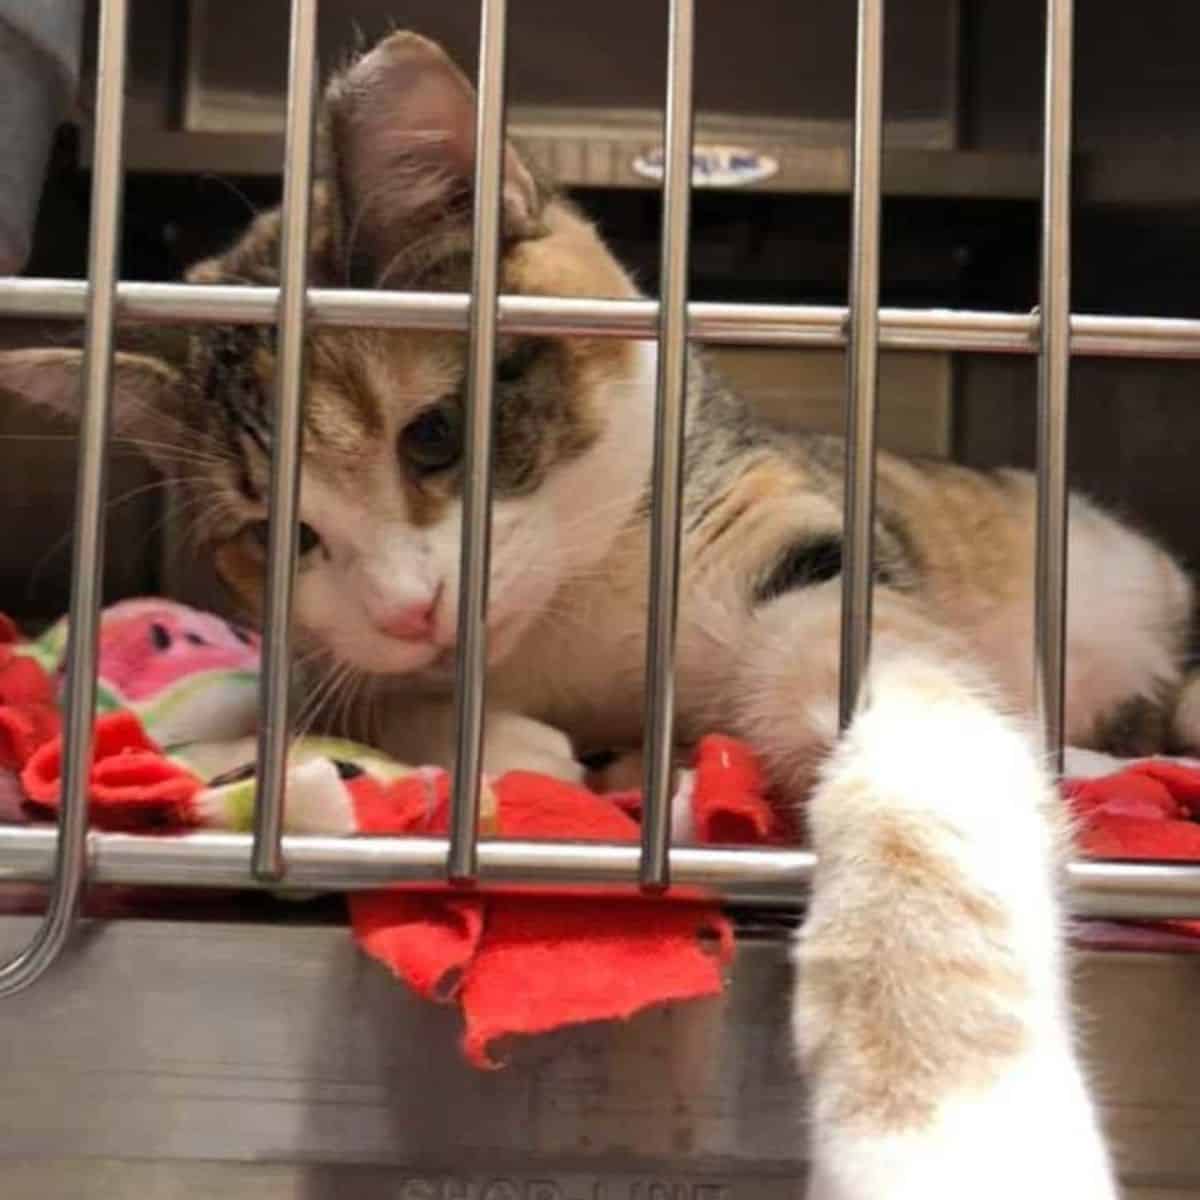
713, 166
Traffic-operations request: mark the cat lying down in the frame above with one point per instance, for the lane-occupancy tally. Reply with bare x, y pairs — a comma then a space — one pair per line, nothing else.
941, 1054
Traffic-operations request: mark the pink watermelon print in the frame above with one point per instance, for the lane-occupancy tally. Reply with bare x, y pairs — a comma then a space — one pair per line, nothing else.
148, 645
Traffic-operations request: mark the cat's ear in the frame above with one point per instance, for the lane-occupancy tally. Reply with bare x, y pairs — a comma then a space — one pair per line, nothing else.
400, 123
147, 393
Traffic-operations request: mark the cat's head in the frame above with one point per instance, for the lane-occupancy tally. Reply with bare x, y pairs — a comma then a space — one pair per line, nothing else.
382, 466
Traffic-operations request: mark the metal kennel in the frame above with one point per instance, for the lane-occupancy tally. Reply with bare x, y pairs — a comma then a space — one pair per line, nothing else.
741, 1116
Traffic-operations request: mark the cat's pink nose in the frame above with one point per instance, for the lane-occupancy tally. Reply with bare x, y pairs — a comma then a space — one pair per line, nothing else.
413, 623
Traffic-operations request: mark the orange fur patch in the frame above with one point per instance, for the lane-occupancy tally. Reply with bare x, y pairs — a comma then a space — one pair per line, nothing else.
927, 1005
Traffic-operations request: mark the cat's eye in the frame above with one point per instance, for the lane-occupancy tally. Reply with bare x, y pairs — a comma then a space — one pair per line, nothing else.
433, 441
309, 538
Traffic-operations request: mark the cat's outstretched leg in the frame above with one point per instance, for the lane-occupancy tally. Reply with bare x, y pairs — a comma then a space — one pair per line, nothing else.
931, 1012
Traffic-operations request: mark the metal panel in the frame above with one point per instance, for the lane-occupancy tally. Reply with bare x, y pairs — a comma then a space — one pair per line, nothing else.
76, 1179
282, 1044
805, 390
574, 113
759, 60
1136, 134
1133, 431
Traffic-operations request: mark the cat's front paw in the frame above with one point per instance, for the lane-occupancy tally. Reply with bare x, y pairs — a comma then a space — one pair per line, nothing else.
516, 743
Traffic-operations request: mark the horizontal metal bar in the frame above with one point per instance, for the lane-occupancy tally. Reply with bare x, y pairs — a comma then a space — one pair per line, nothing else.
742, 324
222, 860
769, 878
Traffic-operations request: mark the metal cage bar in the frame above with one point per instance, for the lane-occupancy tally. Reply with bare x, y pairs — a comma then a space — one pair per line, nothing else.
87, 565
1054, 366
477, 484
768, 878
284, 495
862, 374
772, 877
667, 474
961, 330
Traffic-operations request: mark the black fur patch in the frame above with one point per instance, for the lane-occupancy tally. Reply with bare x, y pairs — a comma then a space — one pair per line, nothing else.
230, 380
801, 565
230, 385
537, 424
597, 760
1136, 728
237, 775
897, 562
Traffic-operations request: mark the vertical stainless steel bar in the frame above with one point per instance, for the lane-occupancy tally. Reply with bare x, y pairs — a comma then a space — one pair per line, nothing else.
284, 498
1054, 366
87, 565
862, 395
462, 862
667, 477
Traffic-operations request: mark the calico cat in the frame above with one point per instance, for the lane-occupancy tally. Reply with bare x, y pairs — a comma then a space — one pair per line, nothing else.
761, 559
986, 1030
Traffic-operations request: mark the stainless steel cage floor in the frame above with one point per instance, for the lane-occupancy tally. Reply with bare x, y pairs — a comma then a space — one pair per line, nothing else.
276, 1063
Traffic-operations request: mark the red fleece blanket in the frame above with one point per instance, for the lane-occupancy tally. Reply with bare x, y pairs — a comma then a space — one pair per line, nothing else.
521, 963
516, 963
